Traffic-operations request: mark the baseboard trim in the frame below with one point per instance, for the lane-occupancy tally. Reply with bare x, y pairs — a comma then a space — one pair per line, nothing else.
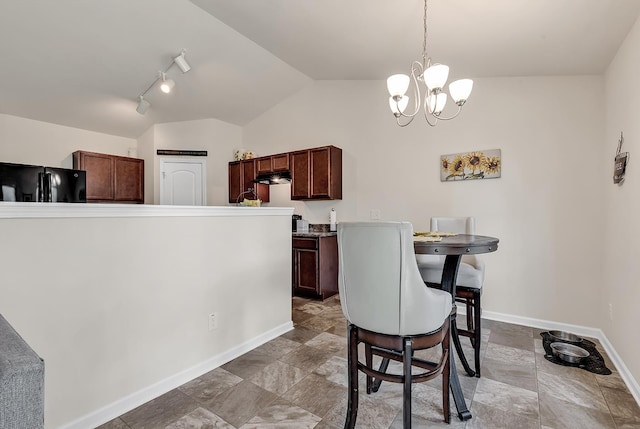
140, 397
625, 374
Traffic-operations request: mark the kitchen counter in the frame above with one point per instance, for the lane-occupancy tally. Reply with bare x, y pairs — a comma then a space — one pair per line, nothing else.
313, 234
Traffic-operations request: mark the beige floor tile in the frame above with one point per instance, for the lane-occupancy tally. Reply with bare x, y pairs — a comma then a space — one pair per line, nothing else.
561, 414
299, 380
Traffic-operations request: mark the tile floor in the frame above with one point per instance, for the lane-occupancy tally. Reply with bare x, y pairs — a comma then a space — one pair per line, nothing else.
298, 380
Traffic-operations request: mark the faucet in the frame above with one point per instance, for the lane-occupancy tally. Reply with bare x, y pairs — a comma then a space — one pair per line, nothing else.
248, 191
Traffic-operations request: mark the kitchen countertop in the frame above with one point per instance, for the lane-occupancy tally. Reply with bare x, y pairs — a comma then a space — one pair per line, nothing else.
312, 234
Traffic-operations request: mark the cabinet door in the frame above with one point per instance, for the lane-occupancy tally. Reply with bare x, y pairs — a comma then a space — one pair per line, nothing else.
305, 269
235, 181
129, 179
320, 173
100, 175
280, 162
264, 165
241, 176
248, 169
300, 174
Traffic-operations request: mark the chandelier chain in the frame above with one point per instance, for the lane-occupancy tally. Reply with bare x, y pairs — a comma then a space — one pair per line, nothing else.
424, 41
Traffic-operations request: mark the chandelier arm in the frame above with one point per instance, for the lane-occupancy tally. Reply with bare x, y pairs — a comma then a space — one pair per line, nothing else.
453, 116
427, 115
404, 125
415, 66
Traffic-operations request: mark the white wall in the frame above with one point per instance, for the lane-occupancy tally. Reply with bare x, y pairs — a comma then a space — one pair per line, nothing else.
621, 229
218, 138
546, 209
118, 306
26, 141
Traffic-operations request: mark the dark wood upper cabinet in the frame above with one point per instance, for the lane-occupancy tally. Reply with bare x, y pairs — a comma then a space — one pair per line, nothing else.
129, 179
300, 174
326, 173
263, 165
272, 164
316, 174
280, 162
111, 178
241, 178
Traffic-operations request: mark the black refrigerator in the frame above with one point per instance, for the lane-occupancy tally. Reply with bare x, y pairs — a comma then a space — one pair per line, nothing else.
21, 182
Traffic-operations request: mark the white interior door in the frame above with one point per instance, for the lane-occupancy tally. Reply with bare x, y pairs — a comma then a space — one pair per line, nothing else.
183, 182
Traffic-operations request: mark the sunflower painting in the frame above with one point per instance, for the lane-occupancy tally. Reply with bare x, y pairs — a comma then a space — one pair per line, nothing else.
471, 165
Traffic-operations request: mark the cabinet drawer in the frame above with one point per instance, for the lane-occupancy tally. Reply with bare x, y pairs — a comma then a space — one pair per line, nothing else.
305, 243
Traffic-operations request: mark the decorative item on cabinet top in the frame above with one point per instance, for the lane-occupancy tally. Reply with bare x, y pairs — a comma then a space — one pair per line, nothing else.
181, 152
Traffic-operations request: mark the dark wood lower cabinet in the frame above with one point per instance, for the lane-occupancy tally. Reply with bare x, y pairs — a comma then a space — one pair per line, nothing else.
315, 266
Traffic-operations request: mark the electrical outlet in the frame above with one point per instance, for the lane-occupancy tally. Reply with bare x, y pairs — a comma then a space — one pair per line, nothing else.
375, 214
213, 321
610, 311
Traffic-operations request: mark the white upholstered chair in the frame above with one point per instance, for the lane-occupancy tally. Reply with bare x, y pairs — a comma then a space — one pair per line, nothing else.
390, 310
469, 280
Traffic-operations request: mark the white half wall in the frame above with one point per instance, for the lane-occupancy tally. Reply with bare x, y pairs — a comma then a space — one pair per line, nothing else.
116, 298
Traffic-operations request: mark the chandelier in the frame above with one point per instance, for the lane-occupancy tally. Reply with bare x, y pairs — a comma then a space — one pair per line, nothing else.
433, 78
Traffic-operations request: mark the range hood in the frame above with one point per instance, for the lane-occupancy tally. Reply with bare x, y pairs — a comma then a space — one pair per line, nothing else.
274, 178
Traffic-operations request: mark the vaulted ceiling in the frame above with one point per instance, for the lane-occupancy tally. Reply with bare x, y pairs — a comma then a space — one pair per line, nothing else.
83, 63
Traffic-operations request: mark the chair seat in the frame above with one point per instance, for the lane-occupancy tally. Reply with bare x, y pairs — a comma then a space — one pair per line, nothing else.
468, 275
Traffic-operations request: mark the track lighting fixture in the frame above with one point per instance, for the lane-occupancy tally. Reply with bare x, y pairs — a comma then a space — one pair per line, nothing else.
166, 85
181, 62
143, 105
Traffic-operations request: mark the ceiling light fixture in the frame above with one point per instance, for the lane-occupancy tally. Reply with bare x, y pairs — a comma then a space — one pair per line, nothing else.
434, 78
143, 105
181, 62
166, 85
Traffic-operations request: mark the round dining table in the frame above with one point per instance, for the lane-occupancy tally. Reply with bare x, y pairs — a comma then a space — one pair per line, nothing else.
453, 248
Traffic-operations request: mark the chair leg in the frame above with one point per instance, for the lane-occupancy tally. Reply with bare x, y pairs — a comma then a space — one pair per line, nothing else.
446, 372
469, 305
368, 356
477, 334
352, 363
406, 394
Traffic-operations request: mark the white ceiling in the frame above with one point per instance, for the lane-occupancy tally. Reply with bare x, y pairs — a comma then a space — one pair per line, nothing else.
82, 63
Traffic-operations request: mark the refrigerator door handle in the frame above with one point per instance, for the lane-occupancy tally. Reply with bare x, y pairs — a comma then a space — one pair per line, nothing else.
41, 190
47, 187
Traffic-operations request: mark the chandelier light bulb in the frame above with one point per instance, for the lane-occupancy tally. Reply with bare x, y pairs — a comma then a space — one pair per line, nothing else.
436, 103
398, 107
398, 84
436, 76
460, 90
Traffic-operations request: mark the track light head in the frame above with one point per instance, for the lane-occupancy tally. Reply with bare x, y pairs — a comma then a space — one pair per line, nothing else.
143, 105
167, 84
181, 62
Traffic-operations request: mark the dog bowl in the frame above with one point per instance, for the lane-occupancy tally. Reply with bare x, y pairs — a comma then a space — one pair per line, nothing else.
568, 352
565, 336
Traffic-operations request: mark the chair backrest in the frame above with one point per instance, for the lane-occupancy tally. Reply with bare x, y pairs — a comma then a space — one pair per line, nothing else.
459, 225
380, 287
